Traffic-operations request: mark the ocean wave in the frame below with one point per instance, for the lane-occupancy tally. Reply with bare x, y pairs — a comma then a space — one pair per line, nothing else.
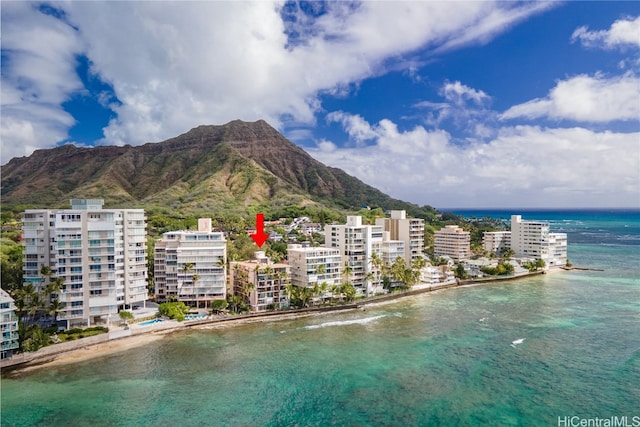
344, 322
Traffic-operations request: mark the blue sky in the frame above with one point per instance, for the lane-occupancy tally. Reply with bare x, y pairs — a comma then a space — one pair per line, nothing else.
452, 104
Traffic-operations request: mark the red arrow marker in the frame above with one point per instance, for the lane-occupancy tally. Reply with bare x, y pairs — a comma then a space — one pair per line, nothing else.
260, 236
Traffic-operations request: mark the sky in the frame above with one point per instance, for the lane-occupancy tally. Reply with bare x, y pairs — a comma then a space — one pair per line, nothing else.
450, 104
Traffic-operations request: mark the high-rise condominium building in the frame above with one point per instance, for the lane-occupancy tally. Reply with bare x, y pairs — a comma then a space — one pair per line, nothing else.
190, 266
408, 230
532, 239
312, 265
100, 255
357, 244
496, 241
452, 241
8, 325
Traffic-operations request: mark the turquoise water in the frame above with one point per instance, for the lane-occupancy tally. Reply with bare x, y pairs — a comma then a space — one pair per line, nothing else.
446, 358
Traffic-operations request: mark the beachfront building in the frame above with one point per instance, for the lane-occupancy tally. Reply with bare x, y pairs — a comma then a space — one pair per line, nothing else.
390, 250
260, 282
533, 240
357, 243
436, 275
311, 265
453, 242
496, 242
8, 325
408, 230
99, 254
190, 266
557, 250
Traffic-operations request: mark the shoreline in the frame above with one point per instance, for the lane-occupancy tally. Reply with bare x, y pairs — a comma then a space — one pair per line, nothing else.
139, 337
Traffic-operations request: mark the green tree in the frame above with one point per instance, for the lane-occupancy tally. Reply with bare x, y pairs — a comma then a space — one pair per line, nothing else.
347, 271
173, 310
125, 316
11, 258
460, 272
218, 306
55, 308
349, 292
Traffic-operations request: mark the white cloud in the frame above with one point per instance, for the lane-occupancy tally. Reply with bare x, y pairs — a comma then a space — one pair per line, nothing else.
466, 107
523, 166
585, 98
459, 94
175, 65
623, 33
38, 75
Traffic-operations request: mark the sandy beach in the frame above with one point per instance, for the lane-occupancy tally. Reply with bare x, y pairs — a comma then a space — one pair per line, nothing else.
91, 351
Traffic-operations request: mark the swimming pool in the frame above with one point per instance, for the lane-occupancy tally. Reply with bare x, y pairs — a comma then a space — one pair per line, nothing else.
150, 322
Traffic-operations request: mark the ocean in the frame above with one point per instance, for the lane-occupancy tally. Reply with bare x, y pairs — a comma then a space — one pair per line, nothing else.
550, 350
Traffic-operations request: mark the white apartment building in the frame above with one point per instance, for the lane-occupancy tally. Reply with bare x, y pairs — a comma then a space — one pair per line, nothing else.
357, 243
390, 250
8, 325
409, 230
261, 282
190, 266
101, 255
314, 265
452, 241
557, 250
496, 241
532, 239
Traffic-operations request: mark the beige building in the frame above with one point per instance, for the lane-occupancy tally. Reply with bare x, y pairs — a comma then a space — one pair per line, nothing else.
408, 230
496, 241
261, 282
452, 241
190, 266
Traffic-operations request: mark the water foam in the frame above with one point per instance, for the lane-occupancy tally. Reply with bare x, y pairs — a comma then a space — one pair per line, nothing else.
345, 322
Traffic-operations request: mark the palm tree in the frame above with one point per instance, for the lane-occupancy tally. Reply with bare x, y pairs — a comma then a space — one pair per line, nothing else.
194, 280
34, 305
335, 289
377, 265
347, 271
349, 292
324, 287
367, 280
54, 286
417, 265
186, 269
55, 307
320, 269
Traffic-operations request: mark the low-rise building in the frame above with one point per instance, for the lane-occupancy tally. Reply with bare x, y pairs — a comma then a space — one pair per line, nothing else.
260, 282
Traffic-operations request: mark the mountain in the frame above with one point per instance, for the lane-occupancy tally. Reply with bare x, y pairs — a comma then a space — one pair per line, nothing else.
229, 167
